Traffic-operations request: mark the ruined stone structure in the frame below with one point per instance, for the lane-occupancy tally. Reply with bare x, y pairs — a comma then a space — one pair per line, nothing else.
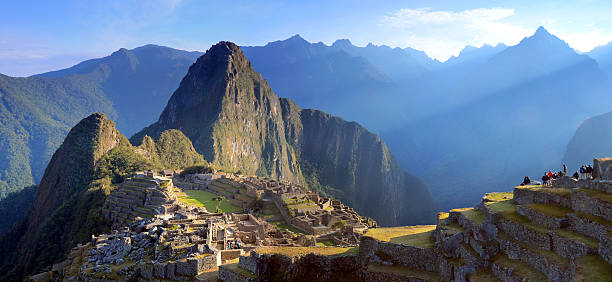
140, 196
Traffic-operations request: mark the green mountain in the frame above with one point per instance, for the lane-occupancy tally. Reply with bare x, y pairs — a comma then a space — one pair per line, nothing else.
93, 158
235, 120
131, 86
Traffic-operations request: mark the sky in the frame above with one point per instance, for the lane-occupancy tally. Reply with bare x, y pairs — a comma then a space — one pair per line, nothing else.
40, 36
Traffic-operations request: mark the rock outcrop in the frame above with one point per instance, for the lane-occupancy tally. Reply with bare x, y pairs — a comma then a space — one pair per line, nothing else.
235, 120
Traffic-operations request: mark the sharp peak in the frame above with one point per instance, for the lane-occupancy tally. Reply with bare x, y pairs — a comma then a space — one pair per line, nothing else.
342, 43
542, 31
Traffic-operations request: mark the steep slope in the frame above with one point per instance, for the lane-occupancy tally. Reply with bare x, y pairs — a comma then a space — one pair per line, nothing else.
234, 118
69, 175
14, 207
592, 139
93, 159
131, 86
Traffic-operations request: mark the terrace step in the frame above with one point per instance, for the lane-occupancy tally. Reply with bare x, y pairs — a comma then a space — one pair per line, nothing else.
506, 269
592, 202
380, 272
553, 266
549, 216
525, 195
589, 225
592, 268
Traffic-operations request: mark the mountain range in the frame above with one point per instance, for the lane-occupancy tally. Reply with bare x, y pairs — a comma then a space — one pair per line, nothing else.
442, 120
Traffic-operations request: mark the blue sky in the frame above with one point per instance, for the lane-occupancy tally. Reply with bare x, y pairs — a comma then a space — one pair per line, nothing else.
38, 36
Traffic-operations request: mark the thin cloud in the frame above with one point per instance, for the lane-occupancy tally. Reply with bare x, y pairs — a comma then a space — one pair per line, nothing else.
444, 33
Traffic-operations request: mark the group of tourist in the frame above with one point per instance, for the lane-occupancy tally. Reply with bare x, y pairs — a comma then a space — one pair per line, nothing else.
549, 176
586, 172
233, 244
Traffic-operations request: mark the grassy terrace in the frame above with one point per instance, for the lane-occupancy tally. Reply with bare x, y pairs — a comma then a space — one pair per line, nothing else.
417, 236
498, 196
559, 191
239, 270
452, 228
550, 210
284, 227
597, 195
404, 271
549, 255
593, 218
592, 268
471, 214
520, 268
206, 199
298, 251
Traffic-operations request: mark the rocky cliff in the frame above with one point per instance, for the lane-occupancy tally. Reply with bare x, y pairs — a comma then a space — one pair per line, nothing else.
235, 120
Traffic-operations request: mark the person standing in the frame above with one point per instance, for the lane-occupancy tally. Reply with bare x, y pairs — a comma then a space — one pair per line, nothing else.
582, 172
564, 170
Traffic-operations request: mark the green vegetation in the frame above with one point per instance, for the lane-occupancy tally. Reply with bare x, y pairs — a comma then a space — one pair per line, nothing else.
15, 206
549, 255
588, 241
201, 168
418, 236
339, 224
592, 268
207, 199
298, 251
498, 196
558, 191
327, 243
404, 271
550, 210
239, 270
121, 162
606, 197
521, 269
284, 227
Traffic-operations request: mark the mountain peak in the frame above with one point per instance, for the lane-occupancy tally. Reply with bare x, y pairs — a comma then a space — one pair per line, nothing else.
541, 31
342, 43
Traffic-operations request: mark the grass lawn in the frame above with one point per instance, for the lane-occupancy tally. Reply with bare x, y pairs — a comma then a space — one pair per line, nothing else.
327, 243
297, 251
418, 235
284, 227
206, 199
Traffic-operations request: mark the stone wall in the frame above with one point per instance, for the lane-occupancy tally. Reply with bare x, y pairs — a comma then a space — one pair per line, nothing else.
582, 202
310, 267
526, 196
419, 258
